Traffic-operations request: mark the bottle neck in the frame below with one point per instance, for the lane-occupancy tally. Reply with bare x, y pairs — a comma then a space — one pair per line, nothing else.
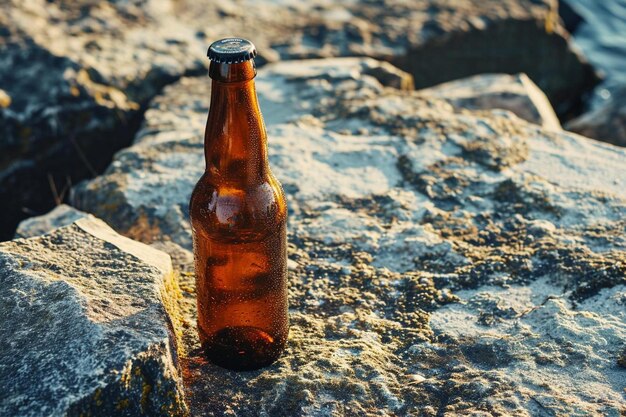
235, 143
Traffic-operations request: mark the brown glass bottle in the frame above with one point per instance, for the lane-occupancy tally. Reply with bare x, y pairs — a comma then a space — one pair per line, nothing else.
238, 216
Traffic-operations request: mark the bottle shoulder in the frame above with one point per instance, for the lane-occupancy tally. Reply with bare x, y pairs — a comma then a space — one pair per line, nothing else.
222, 208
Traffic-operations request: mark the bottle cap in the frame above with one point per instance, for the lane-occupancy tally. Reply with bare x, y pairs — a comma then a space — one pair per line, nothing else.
231, 51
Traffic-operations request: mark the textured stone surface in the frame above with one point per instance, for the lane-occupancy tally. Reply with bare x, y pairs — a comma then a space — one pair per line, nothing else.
606, 123
434, 40
84, 325
409, 219
75, 75
516, 93
62, 215
539, 338
441, 40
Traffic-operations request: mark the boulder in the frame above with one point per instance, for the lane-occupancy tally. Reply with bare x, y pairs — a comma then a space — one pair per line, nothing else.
61, 215
85, 326
516, 93
75, 76
150, 216
408, 220
442, 40
606, 123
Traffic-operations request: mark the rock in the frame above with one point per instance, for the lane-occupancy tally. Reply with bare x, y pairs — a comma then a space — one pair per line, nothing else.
84, 325
80, 73
606, 123
400, 205
387, 74
538, 334
62, 215
516, 93
441, 40
77, 74
595, 36
126, 207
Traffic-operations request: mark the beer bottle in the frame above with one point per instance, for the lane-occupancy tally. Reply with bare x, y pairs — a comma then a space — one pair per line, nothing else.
238, 217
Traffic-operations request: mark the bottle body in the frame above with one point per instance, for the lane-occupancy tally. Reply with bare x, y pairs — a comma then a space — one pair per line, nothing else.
238, 216
241, 274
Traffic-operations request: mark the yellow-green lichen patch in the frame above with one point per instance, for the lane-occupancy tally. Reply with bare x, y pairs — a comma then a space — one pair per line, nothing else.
171, 295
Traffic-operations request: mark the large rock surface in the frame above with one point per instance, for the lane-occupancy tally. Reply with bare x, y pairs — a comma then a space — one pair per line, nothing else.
84, 326
76, 75
516, 93
442, 261
442, 40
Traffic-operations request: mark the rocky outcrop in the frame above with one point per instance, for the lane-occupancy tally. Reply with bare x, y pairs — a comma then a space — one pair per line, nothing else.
75, 75
442, 40
62, 215
85, 328
516, 93
606, 123
442, 262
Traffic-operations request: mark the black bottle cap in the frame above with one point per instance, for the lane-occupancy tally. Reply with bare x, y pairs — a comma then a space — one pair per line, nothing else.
231, 51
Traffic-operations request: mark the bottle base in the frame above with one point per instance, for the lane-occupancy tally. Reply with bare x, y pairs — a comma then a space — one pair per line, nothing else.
241, 348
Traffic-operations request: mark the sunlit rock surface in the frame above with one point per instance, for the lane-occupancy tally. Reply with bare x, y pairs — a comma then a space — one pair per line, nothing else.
441, 261
62, 215
76, 75
84, 326
516, 93
442, 40
518, 338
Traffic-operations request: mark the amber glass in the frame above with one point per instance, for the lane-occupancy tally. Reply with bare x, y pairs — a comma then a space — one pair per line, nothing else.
238, 216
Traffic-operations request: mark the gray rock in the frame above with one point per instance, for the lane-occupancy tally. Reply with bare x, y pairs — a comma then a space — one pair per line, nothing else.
77, 75
606, 123
543, 340
84, 325
61, 215
442, 40
167, 123
397, 202
516, 93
